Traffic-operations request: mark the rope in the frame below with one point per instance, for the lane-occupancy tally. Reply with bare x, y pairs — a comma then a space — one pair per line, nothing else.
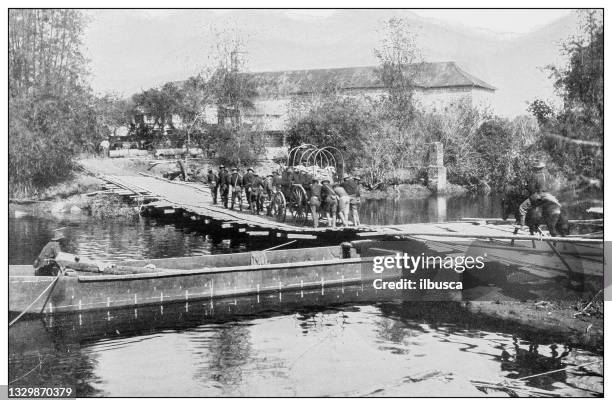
281, 245
40, 362
35, 300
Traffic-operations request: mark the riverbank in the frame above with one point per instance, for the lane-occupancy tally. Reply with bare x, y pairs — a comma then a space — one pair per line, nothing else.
554, 320
81, 182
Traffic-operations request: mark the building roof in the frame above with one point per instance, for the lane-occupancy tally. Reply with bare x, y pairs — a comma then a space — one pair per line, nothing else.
428, 75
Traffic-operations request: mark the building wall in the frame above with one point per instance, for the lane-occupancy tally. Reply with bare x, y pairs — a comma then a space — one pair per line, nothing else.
272, 113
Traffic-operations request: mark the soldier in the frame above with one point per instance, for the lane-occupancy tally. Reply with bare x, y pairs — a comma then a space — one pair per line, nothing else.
213, 184
355, 202
352, 189
235, 182
223, 185
539, 180
247, 181
42, 264
329, 200
538, 187
256, 191
269, 190
277, 180
343, 202
315, 201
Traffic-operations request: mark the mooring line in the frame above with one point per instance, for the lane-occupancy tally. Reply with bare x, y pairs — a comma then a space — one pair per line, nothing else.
281, 245
35, 300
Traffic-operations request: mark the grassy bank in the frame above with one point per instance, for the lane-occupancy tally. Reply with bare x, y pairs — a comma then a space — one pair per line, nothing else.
77, 184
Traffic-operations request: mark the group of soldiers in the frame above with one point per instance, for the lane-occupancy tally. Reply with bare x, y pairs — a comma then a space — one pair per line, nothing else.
336, 201
230, 185
339, 200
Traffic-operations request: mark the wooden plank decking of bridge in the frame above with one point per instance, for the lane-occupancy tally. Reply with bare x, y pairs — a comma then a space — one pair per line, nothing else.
196, 200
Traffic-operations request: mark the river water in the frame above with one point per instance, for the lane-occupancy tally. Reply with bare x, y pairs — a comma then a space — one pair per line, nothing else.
337, 342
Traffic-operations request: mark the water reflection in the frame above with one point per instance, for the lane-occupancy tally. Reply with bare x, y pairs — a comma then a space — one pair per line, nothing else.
452, 208
350, 342
116, 240
341, 341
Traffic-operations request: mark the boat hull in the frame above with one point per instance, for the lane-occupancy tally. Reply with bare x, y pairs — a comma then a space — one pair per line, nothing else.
98, 291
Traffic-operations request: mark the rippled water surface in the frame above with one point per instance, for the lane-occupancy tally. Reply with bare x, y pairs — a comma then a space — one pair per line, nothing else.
336, 342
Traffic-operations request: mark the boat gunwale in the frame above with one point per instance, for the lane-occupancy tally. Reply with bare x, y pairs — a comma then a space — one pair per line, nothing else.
167, 273
127, 262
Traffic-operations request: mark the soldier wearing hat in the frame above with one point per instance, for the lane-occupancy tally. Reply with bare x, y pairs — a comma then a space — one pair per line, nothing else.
213, 184
343, 202
352, 189
223, 184
277, 180
330, 200
269, 191
43, 265
247, 182
538, 188
235, 183
539, 180
356, 201
256, 191
314, 200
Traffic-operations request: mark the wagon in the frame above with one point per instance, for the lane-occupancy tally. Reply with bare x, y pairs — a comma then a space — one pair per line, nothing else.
304, 163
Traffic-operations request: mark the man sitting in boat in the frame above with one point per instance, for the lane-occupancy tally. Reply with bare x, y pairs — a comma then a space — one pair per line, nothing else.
43, 266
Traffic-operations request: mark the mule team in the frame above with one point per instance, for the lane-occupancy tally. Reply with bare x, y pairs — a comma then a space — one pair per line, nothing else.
338, 201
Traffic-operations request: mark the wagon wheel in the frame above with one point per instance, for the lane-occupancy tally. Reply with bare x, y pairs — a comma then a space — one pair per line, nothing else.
300, 201
279, 206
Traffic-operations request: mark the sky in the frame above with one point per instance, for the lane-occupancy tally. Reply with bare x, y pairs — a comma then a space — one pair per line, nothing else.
133, 50
497, 21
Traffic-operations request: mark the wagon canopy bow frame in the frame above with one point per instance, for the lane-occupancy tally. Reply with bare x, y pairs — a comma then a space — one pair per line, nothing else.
309, 155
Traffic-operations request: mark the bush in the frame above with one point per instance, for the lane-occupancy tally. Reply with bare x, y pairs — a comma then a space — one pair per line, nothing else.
111, 206
241, 146
41, 150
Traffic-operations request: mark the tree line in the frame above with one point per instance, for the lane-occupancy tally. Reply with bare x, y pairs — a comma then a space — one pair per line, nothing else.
383, 137
54, 115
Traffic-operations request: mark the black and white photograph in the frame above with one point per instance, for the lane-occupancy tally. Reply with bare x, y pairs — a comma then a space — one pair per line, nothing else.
304, 202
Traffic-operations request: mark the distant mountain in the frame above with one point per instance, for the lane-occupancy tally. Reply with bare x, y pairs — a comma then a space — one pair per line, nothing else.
131, 50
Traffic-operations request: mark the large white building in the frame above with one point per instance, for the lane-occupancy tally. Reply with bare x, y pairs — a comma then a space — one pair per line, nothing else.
437, 84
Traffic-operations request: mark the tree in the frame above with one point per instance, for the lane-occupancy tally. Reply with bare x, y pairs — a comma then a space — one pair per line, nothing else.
400, 61
330, 120
112, 112
231, 89
160, 103
52, 114
45, 51
573, 135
